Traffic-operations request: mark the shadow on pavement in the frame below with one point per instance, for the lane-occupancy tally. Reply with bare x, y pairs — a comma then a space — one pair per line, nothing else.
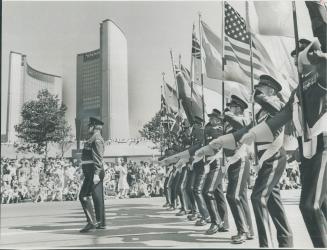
147, 223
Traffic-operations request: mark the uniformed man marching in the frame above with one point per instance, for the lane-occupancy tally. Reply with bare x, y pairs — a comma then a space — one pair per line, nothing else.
238, 172
200, 177
216, 203
265, 196
92, 187
312, 64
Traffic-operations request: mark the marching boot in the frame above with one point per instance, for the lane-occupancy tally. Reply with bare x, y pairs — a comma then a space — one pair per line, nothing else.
181, 213
213, 229
89, 213
239, 238
100, 226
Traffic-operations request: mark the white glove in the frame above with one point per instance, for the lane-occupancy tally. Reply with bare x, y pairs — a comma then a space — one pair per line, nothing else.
248, 138
199, 153
96, 179
206, 168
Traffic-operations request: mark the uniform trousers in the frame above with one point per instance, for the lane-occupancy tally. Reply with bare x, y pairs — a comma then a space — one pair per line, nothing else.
238, 174
174, 185
170, 186
166, 189
90, 192
266, 201
221, 200
200, 177
313, 197
181, 189
189, 189
210, 185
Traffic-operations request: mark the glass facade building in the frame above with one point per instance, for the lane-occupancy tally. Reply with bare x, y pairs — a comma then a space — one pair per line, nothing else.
102, 84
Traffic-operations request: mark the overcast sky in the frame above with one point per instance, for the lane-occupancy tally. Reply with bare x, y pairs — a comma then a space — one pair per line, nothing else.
51, 34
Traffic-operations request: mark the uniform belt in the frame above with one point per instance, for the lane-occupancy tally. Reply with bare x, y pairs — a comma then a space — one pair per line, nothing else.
87, 162
263, 147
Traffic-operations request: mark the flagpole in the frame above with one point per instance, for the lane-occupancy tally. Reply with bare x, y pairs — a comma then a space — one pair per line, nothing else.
202, 88
296, 35
222, 163
252, 80
223, 60
161, 130
192, 66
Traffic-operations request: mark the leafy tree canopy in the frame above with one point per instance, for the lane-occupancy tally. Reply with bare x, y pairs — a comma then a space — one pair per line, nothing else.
43, 121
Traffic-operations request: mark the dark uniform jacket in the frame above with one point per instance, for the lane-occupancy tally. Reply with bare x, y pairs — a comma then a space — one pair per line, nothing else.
93, 151
315, 103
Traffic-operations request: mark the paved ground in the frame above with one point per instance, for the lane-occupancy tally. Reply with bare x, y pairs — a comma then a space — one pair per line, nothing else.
132, 223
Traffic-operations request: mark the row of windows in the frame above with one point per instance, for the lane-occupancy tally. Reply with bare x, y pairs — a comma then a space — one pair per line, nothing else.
91, 66
90, 71
90, 78
91, 106
96, 101
90, 90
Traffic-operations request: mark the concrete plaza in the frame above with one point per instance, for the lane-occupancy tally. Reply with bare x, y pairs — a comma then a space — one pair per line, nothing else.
131, 223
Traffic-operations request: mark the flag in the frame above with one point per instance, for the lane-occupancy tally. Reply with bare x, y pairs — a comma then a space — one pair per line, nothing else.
190, 99
176, 126
163, 108
170, 96
272, 18
195, 60
318, 14
233, 71
237, 56
237, 44
212, 48
196, 50
237, 49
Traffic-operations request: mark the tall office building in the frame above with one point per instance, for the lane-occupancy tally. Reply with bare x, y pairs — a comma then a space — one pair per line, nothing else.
24, 84
102, 84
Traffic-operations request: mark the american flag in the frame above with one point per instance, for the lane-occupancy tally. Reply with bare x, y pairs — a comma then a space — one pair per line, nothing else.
237, 43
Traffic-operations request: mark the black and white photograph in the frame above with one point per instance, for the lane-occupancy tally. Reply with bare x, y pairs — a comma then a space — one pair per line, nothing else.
163, 124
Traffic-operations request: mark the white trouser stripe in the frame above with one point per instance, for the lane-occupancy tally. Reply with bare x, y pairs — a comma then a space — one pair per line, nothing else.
237, 190
265, 214
213, 181
183, 191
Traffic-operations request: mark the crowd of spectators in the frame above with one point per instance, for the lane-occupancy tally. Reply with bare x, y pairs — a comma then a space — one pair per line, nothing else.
59, 179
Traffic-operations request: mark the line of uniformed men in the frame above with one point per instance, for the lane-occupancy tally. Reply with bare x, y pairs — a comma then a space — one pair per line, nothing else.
196, 174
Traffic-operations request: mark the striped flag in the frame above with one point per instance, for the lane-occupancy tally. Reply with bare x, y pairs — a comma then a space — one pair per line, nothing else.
237, 51
237, 44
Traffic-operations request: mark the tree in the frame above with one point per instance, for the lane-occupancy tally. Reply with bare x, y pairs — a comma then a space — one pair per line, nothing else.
159, 131
65, 133
43, 121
